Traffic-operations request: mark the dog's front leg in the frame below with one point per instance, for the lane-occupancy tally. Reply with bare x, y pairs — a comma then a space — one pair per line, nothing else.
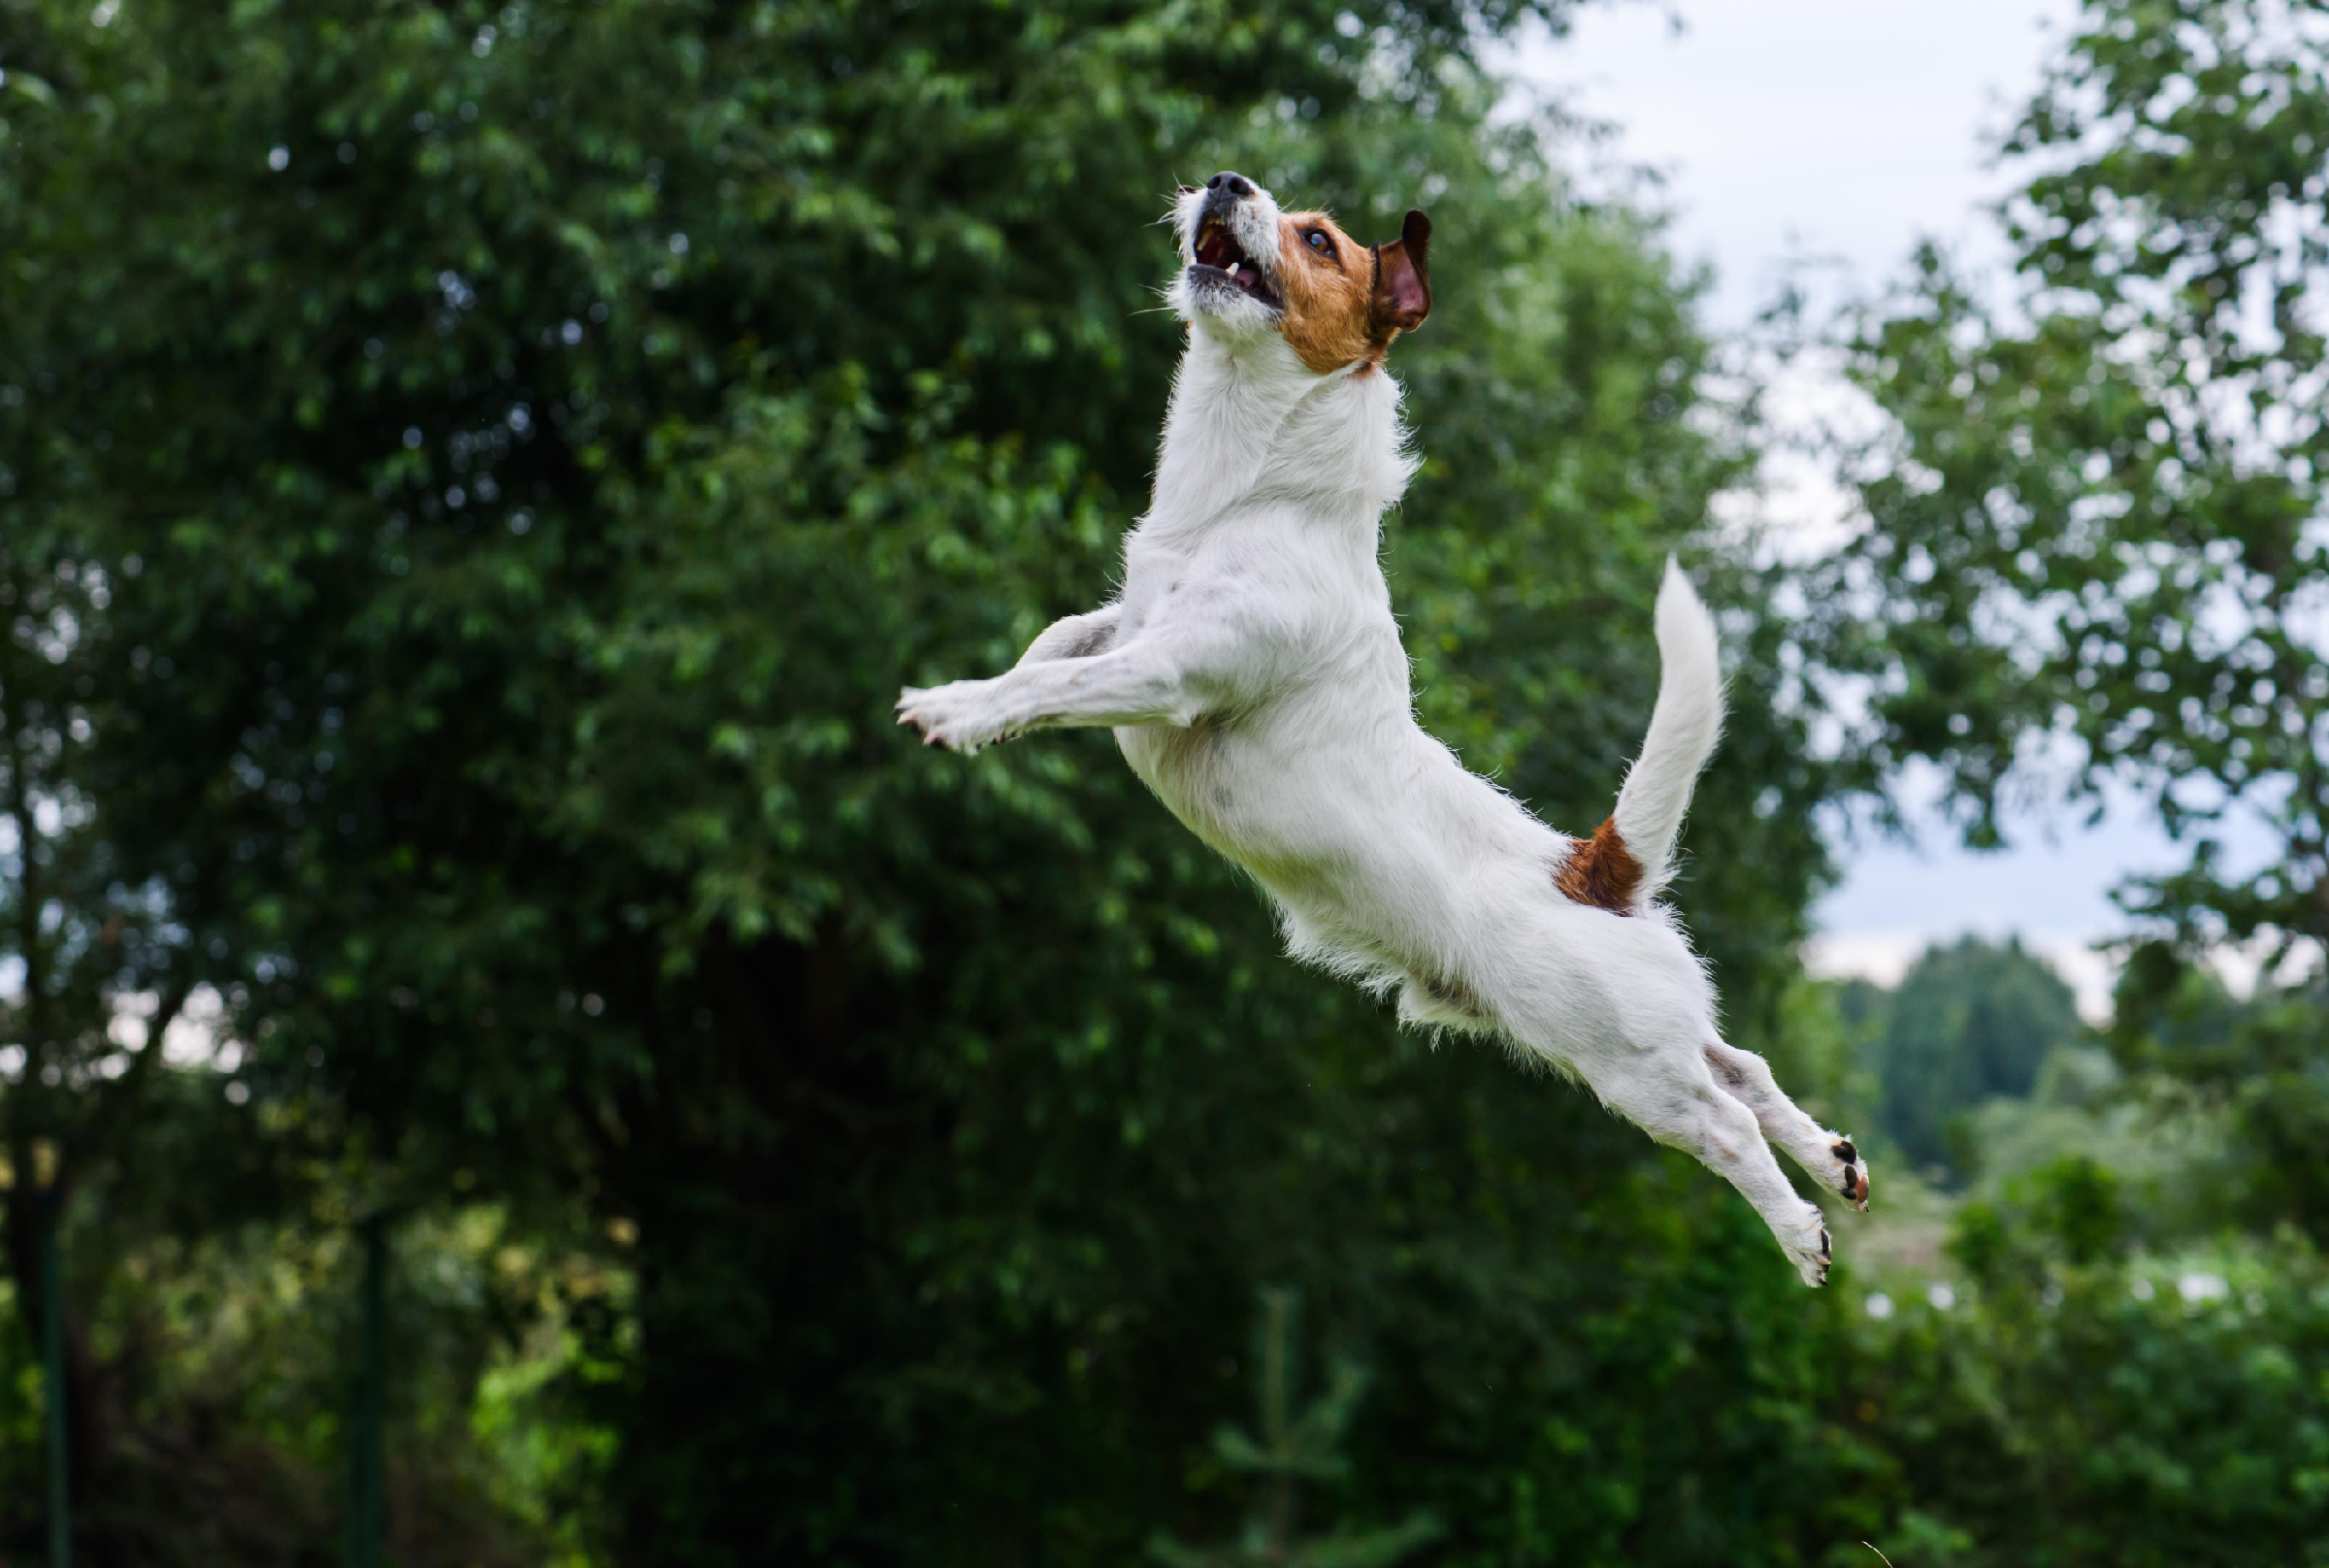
1147, 682
1074, 636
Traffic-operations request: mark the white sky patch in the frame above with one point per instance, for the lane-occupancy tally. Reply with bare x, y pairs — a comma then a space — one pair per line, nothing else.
1831, 131
2241, 965
1798, 509
198, 1036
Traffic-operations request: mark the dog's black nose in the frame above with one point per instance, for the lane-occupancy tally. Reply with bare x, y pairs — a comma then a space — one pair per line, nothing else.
1230, 183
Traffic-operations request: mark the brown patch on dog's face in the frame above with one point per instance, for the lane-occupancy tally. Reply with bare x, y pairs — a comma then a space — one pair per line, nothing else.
1344, 302
1601, 872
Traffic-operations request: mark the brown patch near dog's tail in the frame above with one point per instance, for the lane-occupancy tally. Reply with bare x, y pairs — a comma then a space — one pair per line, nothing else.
1601, 872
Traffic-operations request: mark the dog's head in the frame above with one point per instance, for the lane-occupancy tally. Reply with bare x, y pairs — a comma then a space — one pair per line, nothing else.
1249, 270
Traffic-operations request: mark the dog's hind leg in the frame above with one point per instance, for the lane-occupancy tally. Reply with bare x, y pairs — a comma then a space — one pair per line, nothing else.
1827, 1158
1687, 1110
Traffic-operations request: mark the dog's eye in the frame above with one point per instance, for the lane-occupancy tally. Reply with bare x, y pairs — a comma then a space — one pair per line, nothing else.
1320, 243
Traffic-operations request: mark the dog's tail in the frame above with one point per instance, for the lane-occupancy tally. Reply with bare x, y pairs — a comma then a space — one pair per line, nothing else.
1683, 729
1631, 857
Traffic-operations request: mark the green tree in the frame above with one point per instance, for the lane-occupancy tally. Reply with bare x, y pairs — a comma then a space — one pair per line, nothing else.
1968, 1022
531, 446
103, 965
1295, 1448
2095, 527
2076, 1406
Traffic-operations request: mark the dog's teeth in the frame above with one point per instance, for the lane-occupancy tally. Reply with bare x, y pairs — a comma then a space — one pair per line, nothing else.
1232, 269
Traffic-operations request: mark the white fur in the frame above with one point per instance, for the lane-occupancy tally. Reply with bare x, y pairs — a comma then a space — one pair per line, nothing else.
1683, 729
1253, 673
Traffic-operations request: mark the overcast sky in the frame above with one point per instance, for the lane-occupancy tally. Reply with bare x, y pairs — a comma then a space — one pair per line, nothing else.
1848, 129
1841, 128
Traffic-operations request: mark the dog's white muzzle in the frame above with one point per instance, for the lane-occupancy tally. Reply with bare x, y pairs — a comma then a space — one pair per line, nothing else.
1228, 232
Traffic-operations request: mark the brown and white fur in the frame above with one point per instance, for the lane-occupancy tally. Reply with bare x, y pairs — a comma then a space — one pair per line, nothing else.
1252, 670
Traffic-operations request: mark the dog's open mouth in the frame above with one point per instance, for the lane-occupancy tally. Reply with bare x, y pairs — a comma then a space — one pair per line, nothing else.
1218, 252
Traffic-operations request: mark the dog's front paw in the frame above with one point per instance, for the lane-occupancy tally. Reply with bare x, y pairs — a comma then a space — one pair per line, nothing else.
961, 715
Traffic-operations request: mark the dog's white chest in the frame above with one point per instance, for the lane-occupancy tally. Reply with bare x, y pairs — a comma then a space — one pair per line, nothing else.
1310, 680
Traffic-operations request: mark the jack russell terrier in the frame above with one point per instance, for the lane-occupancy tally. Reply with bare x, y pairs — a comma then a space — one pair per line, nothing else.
1252, 670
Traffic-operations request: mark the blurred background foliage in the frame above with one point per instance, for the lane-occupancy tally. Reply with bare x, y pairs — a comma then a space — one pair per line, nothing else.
471, 481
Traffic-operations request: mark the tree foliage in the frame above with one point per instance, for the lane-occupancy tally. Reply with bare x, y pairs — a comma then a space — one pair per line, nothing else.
2095, 530
1968, 1022
2096, 521
527, 448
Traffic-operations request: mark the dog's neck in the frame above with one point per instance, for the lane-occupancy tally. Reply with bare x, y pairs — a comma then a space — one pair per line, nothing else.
1250, 424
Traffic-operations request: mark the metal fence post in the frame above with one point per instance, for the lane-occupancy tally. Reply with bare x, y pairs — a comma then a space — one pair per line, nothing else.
366, 1449
44, 1204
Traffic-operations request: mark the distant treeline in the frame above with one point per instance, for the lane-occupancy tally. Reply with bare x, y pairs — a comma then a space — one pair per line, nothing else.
1968, 1022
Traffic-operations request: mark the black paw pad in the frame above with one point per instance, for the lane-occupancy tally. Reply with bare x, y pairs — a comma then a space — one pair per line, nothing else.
1845, 1152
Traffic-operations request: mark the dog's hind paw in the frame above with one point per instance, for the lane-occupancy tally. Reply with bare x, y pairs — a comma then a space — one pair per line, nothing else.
1810, 1249
1852, 1174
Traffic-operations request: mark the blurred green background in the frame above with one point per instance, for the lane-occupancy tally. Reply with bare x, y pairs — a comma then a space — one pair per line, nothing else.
471, 483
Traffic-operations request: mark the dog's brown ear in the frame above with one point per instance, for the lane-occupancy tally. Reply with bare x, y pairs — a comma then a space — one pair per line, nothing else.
1403, 277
